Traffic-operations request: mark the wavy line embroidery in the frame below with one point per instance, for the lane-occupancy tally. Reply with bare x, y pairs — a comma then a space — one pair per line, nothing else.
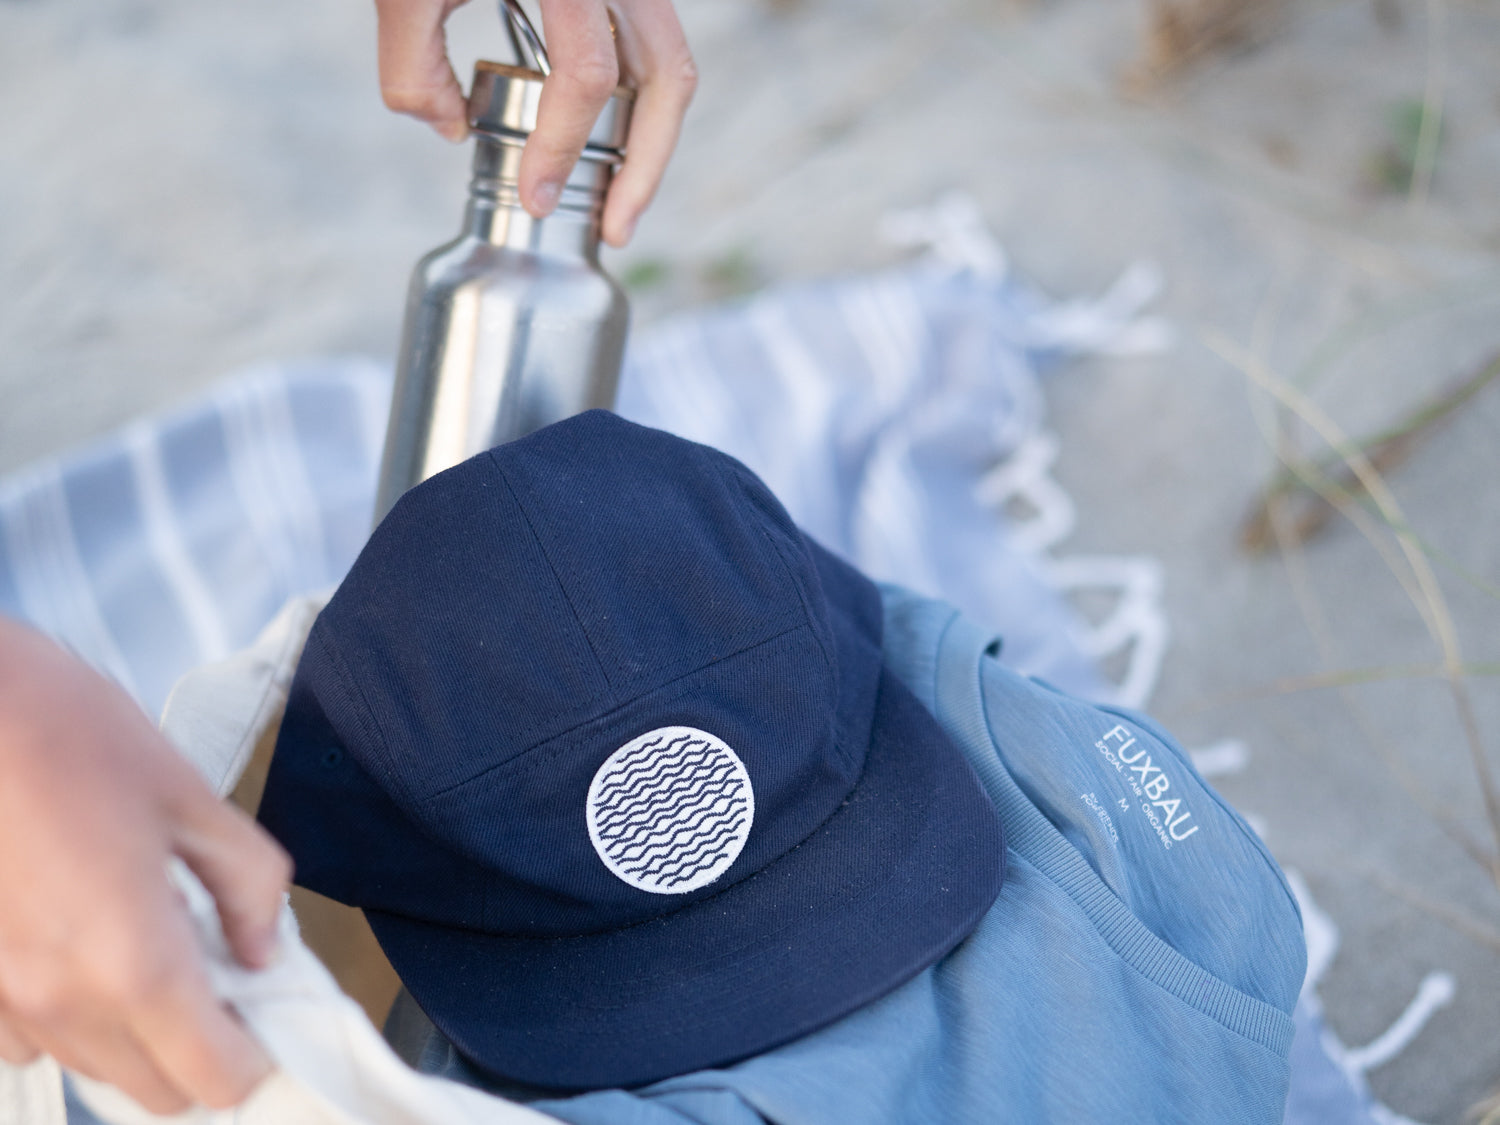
669, 811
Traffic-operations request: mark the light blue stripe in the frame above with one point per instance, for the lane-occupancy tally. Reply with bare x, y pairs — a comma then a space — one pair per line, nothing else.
134, 598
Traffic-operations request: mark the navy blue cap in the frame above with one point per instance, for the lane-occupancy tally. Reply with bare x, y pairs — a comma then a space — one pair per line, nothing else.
605, 749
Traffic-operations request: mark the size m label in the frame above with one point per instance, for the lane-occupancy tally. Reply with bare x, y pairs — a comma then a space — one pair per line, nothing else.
1166, 812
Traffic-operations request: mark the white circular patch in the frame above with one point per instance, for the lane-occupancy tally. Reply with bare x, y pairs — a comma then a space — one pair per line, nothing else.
669, 811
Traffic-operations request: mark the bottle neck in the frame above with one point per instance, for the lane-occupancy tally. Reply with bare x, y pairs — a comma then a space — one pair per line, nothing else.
495, 214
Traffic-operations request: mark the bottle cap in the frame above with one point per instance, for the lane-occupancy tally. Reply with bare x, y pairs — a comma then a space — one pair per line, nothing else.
503, 103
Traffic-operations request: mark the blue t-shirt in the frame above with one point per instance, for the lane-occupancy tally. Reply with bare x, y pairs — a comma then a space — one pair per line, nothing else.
1140, 964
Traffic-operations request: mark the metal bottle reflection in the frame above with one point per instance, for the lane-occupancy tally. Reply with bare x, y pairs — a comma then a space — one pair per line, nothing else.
514, 324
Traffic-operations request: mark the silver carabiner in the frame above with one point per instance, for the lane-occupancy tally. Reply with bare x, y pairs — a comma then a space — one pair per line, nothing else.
523, 36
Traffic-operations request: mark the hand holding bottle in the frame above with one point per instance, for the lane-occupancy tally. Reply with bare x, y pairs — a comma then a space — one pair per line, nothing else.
593, 45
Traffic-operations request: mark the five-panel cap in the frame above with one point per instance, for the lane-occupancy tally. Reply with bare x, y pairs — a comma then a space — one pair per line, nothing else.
604, 747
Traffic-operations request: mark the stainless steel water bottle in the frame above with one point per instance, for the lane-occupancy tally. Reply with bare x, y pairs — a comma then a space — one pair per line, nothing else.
513, 324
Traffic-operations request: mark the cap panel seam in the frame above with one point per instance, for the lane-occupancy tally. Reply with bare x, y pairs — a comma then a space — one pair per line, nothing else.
829, 658
363, 712
686, 662
722, 469
677, 682
557, 578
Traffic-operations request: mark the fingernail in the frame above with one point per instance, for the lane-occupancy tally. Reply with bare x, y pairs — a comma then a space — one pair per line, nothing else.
629, 232
454, 131
546, 195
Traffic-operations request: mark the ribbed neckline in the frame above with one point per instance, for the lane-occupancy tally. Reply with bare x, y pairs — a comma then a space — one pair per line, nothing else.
956, 661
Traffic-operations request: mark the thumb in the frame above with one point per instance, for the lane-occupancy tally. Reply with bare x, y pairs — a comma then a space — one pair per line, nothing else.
244, 869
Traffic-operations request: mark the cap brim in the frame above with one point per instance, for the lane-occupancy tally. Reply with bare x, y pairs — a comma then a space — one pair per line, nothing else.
885, 887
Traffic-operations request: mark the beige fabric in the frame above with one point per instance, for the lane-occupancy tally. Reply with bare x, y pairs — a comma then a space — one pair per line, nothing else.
216, 714
334, 1068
